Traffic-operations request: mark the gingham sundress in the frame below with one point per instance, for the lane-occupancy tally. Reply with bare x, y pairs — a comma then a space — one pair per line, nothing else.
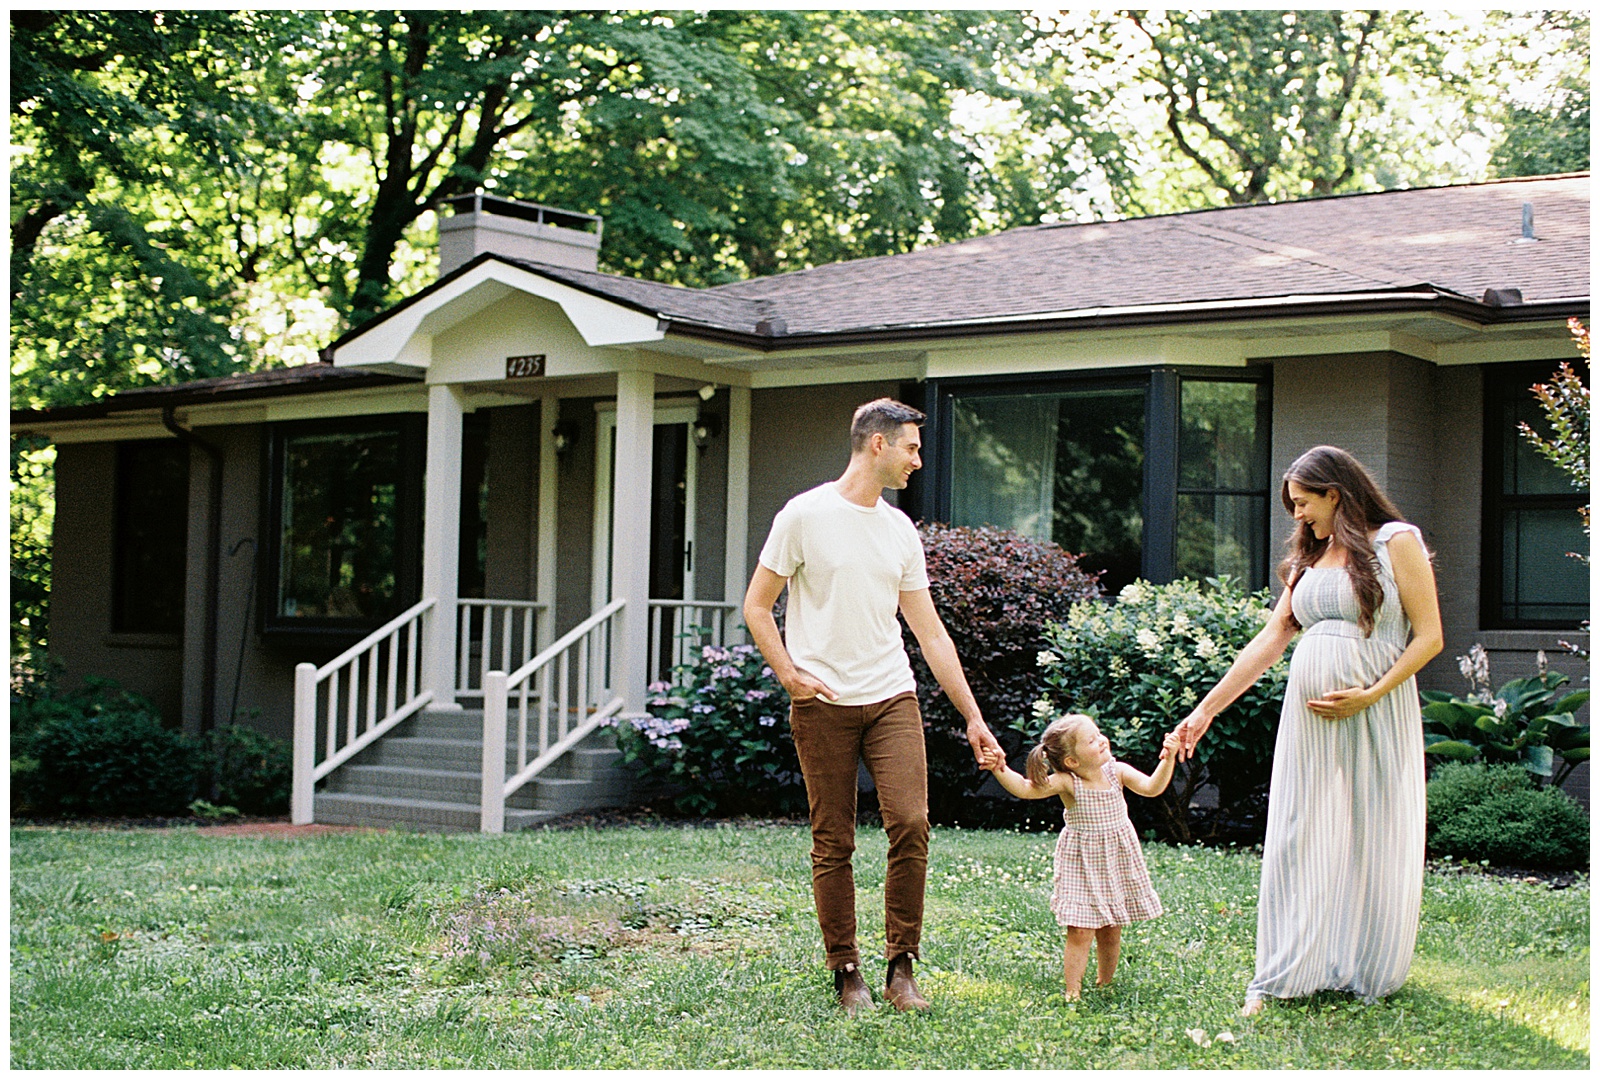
1100, 877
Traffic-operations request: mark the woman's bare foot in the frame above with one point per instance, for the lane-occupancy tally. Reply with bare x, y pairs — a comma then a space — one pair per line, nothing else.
1252, 1007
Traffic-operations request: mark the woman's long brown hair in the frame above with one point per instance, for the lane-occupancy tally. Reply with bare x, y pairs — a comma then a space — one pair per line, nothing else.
1362, 507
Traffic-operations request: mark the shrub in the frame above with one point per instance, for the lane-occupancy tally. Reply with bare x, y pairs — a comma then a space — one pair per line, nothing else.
995, 590
1521, 722
251, 771
1140, 665
1494, 812
719, 735
103, 753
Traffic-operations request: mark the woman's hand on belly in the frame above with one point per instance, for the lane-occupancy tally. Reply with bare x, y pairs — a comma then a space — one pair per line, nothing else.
1340, 704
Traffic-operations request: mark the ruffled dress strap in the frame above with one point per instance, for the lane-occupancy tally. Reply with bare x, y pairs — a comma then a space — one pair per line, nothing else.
1389, 529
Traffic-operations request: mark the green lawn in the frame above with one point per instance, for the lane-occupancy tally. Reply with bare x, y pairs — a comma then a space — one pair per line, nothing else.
696, 947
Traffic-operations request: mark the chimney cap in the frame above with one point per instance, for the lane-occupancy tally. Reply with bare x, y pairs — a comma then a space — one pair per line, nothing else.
481, 202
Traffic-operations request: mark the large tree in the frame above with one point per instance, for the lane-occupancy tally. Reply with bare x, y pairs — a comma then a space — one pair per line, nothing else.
193, 185
1547, 110
1199, 108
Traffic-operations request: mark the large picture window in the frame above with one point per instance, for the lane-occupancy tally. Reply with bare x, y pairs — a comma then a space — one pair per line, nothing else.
1531, 516
1064, 465
151, 538
1155, 474
346, 510
1224, 472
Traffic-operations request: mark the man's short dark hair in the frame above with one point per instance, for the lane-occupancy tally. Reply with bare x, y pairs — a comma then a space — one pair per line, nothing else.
884, 416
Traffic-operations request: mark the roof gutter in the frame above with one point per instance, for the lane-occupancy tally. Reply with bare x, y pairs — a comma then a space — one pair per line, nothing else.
1164, 315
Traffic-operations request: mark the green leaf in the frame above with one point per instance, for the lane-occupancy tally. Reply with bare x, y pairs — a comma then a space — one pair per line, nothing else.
1571, 702
1538, 760
1456, 717
1493, 726
1452, 750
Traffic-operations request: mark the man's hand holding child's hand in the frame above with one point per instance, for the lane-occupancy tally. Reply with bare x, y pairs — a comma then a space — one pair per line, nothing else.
1170, 744
992, 760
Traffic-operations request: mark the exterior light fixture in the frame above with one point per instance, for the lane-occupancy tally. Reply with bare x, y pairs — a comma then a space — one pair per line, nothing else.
566, 436
705, 429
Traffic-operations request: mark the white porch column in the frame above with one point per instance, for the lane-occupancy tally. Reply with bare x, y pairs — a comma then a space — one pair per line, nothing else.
736, 576
441, 542
630, 534
545, 558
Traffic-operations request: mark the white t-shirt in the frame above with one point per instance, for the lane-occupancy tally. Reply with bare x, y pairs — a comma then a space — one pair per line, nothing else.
847, 566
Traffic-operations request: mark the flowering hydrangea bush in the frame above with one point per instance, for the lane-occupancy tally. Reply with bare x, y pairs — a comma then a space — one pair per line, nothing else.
1140, 665
718, 735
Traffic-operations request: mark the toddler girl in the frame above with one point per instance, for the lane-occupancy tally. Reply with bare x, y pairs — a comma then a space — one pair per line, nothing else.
1101, 884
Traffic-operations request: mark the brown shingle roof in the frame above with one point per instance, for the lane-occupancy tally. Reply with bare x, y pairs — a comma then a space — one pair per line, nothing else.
1459, 240
271, 382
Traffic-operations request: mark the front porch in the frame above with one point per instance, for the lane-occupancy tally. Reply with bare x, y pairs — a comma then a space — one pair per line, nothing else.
386, 731
520, 738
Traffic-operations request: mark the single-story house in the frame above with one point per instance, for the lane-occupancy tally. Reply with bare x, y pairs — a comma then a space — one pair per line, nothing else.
515, 488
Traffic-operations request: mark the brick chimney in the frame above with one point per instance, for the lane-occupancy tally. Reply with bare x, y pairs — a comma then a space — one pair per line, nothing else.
480, 223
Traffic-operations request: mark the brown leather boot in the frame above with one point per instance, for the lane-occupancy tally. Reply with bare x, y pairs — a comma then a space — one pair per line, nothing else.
852, 989
902, 989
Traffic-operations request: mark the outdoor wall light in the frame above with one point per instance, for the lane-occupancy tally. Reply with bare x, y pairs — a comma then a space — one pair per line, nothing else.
705, 429
566, 436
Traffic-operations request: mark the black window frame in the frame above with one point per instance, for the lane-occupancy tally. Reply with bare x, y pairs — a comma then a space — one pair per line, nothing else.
412, 432
1163, 396
125, 501
1500, 383
1261, 376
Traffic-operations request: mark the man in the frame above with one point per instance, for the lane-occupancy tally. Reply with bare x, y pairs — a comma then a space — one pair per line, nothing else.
850, 561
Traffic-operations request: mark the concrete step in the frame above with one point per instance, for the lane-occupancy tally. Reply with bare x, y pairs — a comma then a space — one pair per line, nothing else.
426, 815
554, 793
559, 796
468, 724
442, 785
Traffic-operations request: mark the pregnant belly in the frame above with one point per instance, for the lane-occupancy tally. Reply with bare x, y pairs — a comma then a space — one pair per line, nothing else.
1323, 662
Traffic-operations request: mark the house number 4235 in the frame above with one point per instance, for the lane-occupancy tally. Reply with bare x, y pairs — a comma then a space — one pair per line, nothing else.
524, 367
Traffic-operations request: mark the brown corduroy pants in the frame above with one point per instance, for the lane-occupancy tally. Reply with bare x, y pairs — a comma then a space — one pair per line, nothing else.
887, 736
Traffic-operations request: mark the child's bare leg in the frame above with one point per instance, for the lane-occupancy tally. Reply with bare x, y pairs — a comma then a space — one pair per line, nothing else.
1107, 948
1076, 959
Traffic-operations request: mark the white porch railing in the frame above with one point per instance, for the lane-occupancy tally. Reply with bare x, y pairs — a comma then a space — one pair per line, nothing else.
681, 627
506, 634
370, 687
569, 685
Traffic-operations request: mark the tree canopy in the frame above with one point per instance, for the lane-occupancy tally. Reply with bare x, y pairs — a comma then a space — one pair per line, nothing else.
197, 192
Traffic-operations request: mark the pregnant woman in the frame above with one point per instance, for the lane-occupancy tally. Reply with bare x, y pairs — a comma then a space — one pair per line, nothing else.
1341, 872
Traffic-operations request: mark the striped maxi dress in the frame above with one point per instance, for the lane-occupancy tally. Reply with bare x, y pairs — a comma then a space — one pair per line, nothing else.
1341, 874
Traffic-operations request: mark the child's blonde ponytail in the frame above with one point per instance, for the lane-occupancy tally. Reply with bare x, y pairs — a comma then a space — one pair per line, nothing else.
1038, 768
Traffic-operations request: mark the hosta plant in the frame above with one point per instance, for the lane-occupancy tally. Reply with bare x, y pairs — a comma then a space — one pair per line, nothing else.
1523, 722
